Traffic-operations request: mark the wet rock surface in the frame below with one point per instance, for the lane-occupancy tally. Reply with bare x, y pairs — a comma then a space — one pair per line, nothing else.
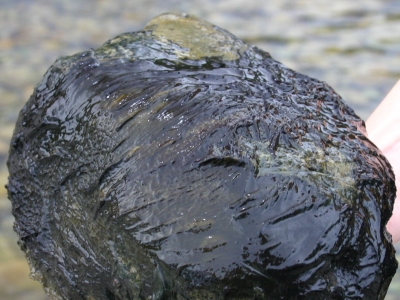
178, 162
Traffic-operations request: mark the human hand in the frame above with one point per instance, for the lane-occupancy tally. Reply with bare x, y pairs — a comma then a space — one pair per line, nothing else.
383, 127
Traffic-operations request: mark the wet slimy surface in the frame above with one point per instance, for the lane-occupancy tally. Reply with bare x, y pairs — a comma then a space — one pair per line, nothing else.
147, 168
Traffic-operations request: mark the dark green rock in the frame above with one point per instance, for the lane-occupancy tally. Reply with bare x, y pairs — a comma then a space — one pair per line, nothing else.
178, 162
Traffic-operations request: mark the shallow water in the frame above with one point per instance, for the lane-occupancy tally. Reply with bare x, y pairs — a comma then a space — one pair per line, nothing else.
354, 46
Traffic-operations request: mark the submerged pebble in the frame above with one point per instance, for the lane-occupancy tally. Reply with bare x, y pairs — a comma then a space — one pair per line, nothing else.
178, 162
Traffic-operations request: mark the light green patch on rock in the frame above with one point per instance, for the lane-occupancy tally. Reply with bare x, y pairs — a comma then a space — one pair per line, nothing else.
329, 169
195, 37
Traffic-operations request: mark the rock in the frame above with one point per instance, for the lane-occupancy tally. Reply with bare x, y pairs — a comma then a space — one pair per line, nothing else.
178, 162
